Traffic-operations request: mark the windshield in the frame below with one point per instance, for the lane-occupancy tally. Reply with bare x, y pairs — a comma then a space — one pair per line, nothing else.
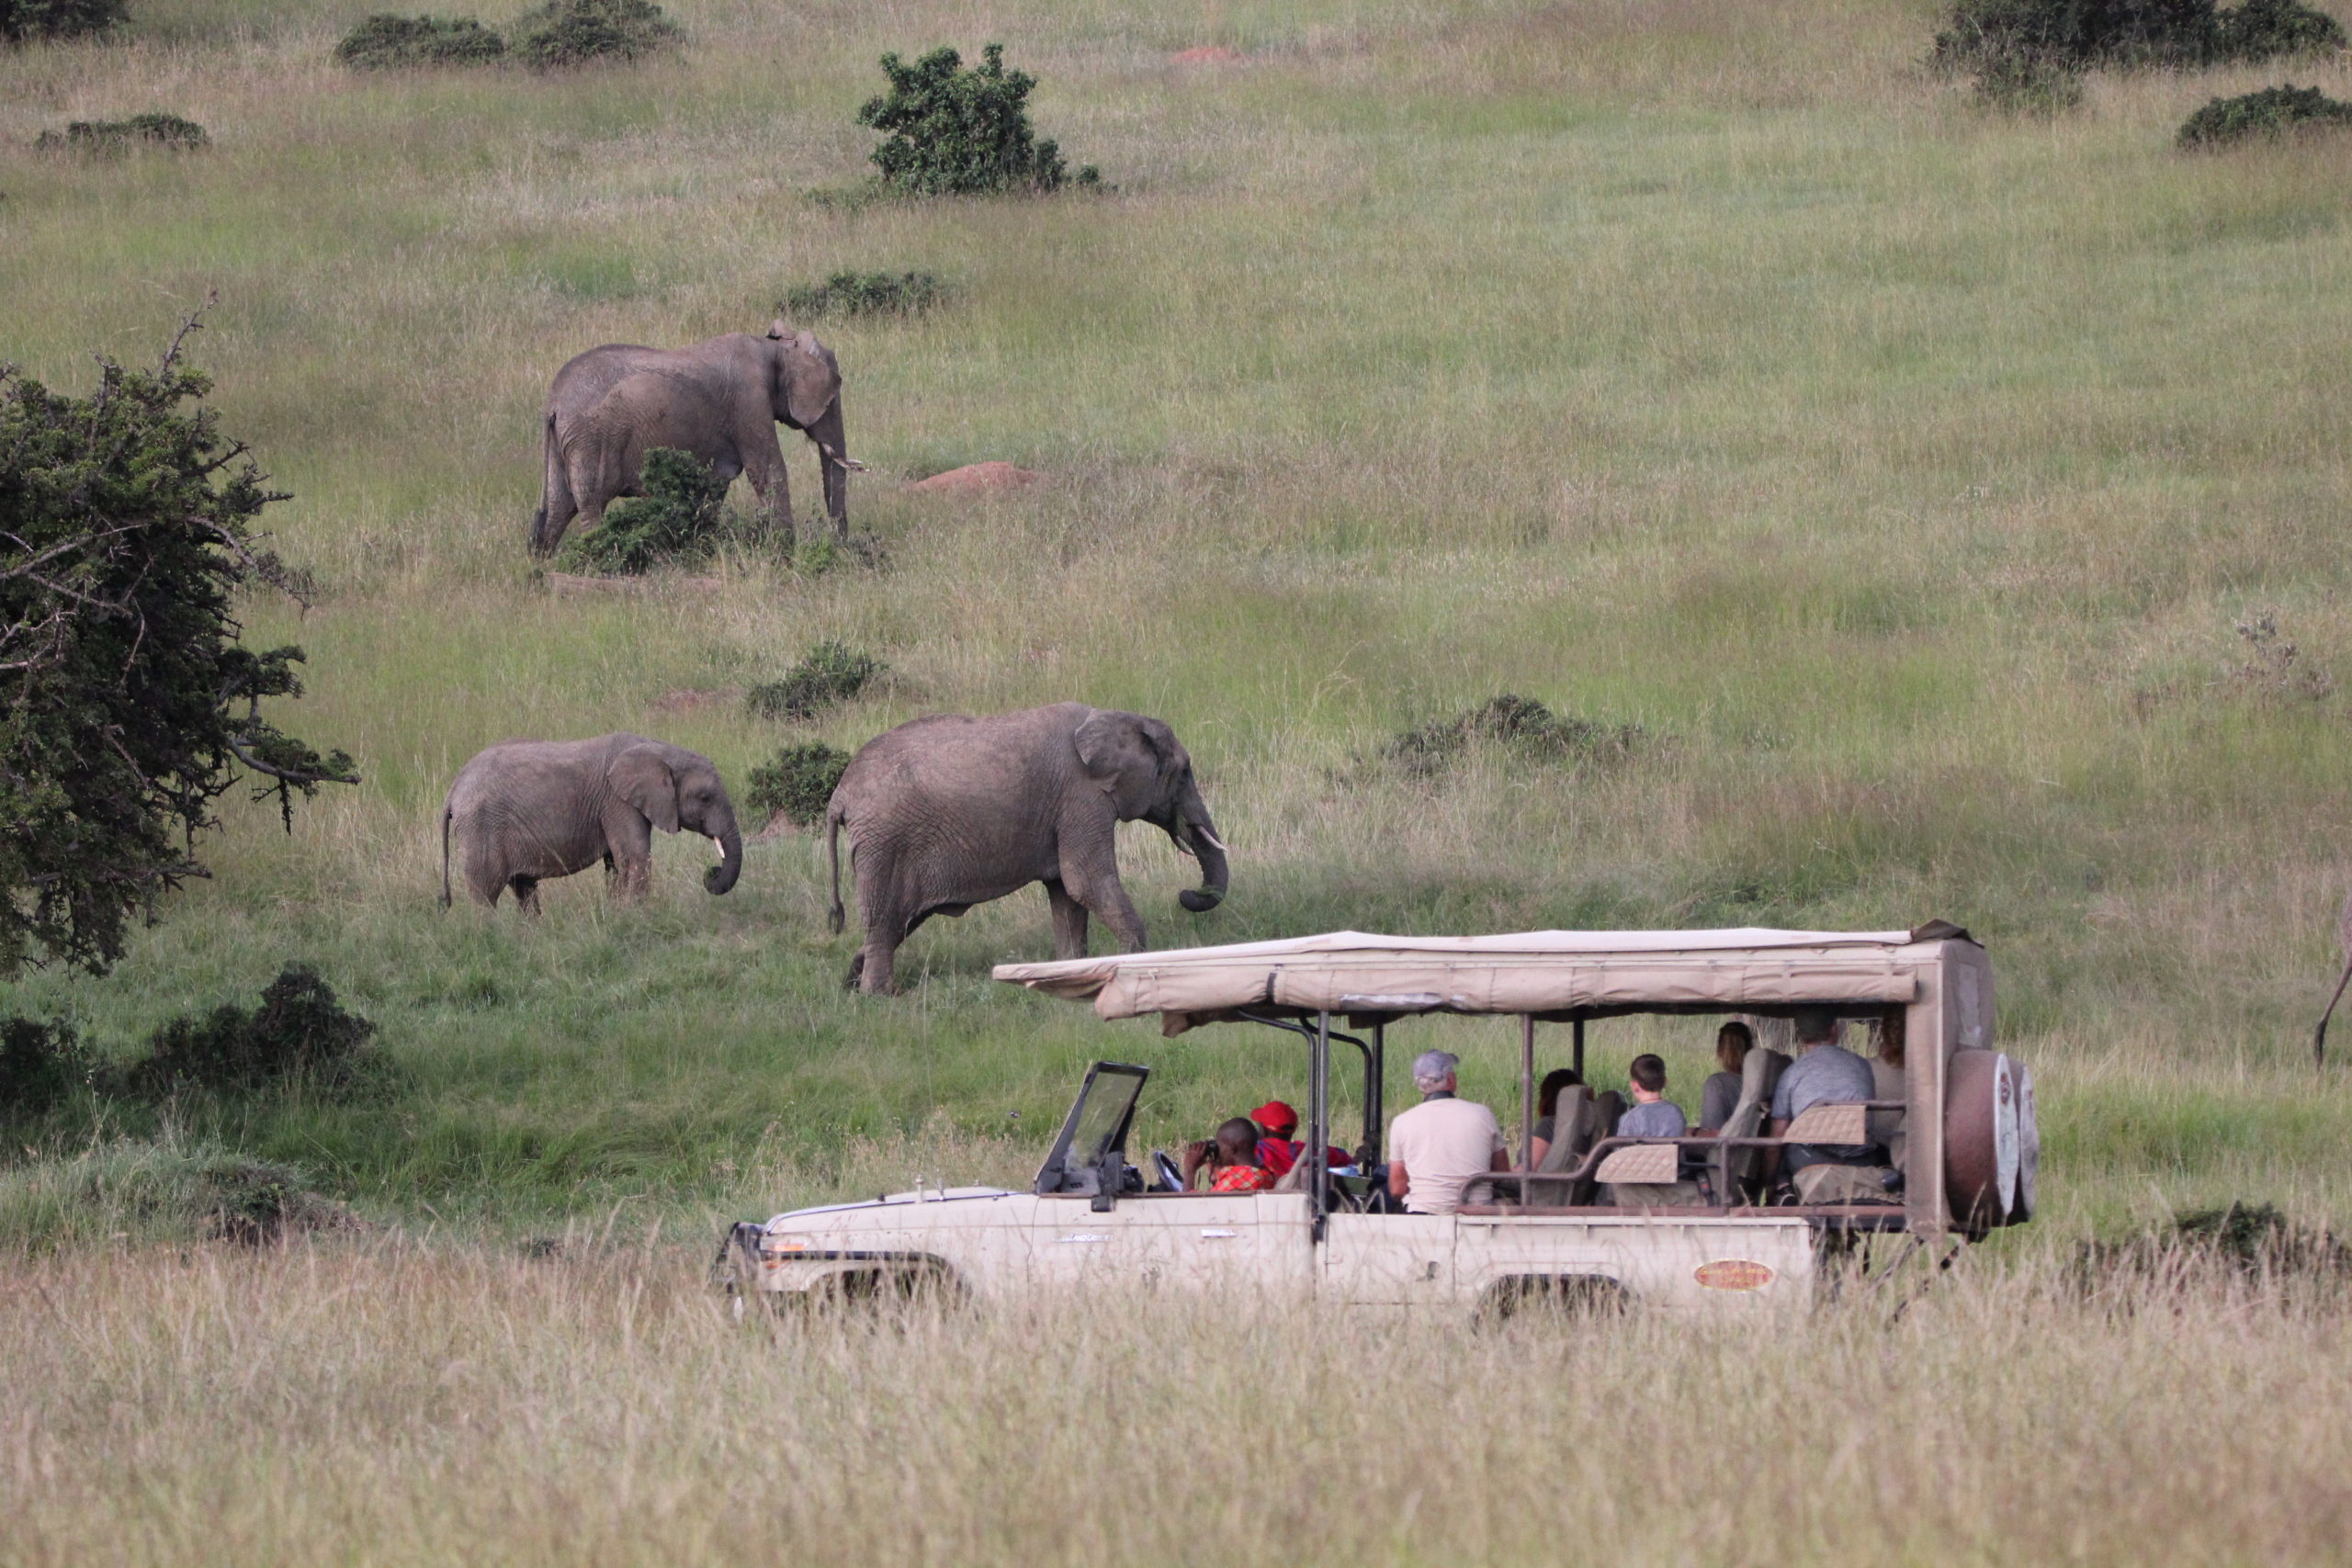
1097, 1123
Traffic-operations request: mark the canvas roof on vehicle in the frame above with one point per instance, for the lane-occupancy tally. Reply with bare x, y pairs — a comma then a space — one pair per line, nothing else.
1366, 976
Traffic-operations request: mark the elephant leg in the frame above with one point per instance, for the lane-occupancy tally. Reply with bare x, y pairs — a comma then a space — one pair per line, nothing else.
1106, 896
485, 875
877, 967
770, 483
1070, 922
526, 894
631, 872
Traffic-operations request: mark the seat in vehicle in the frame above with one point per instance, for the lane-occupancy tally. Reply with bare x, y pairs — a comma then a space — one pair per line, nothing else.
1759, 1077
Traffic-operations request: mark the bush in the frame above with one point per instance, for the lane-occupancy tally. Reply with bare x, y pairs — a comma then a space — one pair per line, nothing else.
2250, 1239
673, 519
1522, 726
2078, 35
40, 1066
145, 1194
831, 674
299, 1033
24, 20
865, 294
953, 132
575, 32
109, 136
2271, 112
385, 42
798, 783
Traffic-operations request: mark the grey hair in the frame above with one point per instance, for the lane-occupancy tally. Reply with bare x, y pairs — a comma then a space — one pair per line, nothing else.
1431, 1068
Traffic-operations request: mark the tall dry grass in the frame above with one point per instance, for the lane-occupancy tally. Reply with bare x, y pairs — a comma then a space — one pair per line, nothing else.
396, 1404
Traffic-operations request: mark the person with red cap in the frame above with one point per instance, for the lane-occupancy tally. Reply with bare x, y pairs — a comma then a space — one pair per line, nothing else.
1277, 1150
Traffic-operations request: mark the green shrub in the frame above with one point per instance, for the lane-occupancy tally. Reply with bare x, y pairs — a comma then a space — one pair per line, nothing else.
145, 1194
385, 42
168, 130
865, 294
831, 674
299, 1033
24, 20
576, 32
674, 520
798, 783
40, 1066
2251, 1239
1522, 726
953, 132
2271, 112
2078, 35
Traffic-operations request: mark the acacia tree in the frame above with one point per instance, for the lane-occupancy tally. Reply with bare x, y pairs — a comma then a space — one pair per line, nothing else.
127, 705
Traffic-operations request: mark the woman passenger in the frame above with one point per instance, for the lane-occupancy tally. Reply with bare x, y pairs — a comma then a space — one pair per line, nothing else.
1547, 1111
1719, 1096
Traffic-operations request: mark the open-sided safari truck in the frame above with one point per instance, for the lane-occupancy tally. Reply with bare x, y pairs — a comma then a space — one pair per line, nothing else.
1680, 1222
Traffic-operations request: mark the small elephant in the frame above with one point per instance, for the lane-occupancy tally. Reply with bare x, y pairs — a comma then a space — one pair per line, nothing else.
530, 810
948, 812
721, 400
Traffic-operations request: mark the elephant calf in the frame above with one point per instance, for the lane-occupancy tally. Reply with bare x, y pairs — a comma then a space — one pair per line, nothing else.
948, 812
528, 809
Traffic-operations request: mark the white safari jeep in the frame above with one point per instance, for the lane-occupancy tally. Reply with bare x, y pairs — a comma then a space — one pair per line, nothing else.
1945, 1150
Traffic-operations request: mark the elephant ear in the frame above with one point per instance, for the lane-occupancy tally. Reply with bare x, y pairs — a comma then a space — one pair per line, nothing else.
808, 379
1121, 753
639, 776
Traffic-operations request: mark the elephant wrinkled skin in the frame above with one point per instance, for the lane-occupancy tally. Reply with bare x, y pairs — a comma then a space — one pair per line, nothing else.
720, 400
526, 810
948, 812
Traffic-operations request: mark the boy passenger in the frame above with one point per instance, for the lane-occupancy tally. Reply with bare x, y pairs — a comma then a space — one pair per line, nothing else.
1653, 1115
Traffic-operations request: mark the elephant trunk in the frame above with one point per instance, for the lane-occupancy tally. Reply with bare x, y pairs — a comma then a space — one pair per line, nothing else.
1198, 834
833, 460
721, 878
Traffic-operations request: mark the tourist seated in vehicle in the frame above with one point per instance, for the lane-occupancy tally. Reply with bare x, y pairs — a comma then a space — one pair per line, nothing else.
1231, 1159
1437, 1147
1278, 1151
1719, 1096
1653, 1115
1547, 1111
1824, 1073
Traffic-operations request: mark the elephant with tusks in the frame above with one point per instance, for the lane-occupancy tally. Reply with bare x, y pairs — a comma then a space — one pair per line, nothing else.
526, 810
719, 400
948, 812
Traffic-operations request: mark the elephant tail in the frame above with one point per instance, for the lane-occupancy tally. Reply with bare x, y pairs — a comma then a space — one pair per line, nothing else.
836, 916
555, 488
444, 854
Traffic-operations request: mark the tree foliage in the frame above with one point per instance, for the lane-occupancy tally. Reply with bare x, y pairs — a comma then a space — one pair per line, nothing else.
127, 705
2272, 112
957, 131
388, 43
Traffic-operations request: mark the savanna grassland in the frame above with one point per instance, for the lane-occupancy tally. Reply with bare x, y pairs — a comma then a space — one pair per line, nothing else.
1904, 472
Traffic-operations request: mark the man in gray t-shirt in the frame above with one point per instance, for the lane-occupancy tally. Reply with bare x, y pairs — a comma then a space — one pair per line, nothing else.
1822, 1073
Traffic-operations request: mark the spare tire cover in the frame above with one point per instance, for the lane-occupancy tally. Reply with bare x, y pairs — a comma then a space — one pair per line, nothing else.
1981, 1138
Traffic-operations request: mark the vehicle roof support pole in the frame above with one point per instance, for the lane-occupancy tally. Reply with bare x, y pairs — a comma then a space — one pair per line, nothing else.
1375, 1090
1579, 1063
1318, 1120
1527, 1090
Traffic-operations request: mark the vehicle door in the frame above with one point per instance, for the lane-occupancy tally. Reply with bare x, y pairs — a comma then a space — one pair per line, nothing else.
1388, 1259
1183, 1241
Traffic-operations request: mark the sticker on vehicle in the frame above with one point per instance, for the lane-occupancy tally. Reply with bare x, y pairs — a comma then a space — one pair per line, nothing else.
1734, 1274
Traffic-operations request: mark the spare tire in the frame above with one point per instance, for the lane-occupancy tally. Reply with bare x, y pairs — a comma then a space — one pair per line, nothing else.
1981, 1138
2028, 1145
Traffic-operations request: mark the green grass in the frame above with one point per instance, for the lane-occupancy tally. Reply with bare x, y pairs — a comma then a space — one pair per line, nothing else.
1903, 468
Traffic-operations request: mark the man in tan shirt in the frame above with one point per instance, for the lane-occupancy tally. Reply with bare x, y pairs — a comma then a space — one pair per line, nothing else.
1437, 1147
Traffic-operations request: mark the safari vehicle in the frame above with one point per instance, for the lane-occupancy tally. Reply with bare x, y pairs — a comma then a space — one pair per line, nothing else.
1678, 1223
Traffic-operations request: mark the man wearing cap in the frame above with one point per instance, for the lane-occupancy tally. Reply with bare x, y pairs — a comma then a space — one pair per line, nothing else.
1277, 1150
1824, 1073
1437, 1147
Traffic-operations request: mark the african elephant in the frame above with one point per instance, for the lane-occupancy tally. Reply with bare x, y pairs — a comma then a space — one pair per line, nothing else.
948, 812
719, 400
530, 810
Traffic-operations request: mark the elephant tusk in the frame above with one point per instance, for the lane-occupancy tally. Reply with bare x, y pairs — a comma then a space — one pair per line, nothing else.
720, 845
1201, 832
